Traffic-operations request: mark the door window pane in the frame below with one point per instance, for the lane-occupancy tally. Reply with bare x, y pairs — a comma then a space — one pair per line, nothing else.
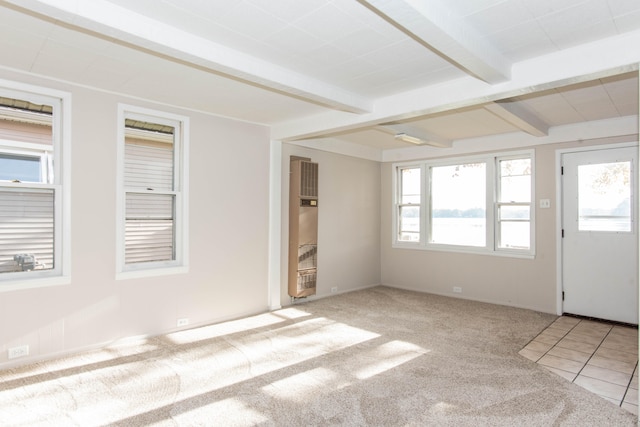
604, 197
458, 204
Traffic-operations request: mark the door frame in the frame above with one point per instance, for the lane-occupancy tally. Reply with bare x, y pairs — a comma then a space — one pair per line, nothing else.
559, 195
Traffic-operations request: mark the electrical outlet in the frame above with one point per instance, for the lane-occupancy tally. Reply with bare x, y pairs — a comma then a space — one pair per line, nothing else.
20, 351
183, 322
457, 290
334, 289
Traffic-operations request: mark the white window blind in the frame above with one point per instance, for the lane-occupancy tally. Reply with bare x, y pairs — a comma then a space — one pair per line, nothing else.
148, 166
149, 228
150, 200
26, 227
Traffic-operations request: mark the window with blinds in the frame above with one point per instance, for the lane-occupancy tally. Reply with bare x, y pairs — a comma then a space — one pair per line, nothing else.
29, 189
150, 193
26, 229
152, 220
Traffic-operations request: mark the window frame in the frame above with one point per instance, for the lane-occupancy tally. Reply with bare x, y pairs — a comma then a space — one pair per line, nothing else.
499, 204
399, 202
58, 162
179, 264
491, 160
429, 214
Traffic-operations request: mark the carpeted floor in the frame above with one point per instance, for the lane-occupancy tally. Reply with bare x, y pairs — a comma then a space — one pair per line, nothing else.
379, 357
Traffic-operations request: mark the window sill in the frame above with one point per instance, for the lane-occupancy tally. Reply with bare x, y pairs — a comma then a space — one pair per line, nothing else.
33, 283
151, 272
466, 250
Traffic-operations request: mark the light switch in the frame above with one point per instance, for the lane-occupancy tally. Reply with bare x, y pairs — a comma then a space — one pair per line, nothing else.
545, 203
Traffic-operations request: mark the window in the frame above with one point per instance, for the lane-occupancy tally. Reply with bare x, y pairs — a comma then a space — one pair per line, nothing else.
21, 167
604, 197
514, 204
34, 203
409, 205
483, 204
458, 204
152, 182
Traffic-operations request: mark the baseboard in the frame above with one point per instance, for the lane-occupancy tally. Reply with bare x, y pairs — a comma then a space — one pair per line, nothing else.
486, 301
333, 294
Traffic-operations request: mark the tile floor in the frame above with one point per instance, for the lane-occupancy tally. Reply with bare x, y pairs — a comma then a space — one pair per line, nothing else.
601, 357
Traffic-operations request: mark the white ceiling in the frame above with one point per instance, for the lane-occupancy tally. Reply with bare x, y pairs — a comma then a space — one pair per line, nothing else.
350, 71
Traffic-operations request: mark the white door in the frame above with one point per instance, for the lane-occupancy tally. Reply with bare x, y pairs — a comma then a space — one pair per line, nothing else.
600, 243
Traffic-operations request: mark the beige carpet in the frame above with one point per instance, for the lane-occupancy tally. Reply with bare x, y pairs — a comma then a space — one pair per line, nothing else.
380, 357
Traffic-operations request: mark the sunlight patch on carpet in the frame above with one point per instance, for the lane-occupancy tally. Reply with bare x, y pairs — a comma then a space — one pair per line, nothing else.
388, 356
231, 411
301, 387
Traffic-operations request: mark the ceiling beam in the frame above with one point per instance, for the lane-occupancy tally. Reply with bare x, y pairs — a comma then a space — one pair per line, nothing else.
433, 26
103, 19
595, 60
617, 129
523, 119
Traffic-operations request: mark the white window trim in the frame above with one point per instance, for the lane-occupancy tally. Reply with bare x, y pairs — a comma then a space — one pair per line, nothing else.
491, 185
532, 218
180, 265
397, 195
61, 103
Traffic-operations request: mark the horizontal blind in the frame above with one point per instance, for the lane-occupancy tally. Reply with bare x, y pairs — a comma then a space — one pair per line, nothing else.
26, 227
149, 227
148, 166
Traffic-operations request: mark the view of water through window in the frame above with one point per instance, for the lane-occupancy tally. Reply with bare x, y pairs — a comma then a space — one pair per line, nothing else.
458, 204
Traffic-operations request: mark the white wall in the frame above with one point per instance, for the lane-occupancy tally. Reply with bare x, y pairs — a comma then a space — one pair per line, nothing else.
348, 221
229, 208
527, 283
228, 169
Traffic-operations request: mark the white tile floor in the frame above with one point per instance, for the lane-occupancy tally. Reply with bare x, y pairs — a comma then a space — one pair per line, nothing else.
601, 357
